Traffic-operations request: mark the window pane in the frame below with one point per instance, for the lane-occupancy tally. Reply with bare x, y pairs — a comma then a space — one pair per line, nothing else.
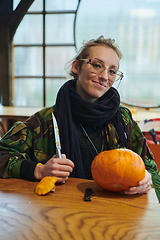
56, 60
15, 3
52, 5
29, 30
135, 25
37, 5
59, 28
52, 88
28, 61
28, 92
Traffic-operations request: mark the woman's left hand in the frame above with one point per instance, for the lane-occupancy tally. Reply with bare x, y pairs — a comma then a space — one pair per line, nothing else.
143, 187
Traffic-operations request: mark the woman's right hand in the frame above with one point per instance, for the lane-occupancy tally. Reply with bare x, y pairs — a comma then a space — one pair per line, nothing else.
55, 167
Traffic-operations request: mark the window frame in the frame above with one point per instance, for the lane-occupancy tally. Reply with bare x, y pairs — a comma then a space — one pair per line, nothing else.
44, 45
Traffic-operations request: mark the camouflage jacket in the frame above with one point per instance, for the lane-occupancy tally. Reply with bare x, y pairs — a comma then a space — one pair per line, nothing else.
33, 141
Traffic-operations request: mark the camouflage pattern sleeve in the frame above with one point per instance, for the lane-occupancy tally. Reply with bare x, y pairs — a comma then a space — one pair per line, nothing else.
32, 140
137, 143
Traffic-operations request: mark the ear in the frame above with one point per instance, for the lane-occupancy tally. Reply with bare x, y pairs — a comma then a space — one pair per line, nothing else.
75, 66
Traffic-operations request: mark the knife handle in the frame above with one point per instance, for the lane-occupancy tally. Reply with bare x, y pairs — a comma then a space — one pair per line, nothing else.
58, 153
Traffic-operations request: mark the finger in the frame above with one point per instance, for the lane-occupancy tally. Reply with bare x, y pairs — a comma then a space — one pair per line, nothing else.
70, 162
62, 161
147, 187
62, 180
59, 174
130, 191
146, 179
149, 183
139, 189
61, 168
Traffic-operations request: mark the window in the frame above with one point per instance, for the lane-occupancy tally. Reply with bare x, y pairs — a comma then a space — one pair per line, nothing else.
45, 41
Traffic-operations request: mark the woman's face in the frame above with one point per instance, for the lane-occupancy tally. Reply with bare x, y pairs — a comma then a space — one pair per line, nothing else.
91, 86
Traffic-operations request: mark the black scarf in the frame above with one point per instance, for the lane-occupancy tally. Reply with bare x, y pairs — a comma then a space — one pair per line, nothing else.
70, 107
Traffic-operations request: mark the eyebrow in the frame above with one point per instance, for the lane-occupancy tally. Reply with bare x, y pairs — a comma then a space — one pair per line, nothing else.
113, 66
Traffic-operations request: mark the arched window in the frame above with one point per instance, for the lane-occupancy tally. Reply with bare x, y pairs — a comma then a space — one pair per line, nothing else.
52, 30
135, 25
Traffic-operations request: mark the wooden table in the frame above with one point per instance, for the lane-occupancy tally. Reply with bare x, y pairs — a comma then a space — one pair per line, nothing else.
63, 215
140, 114
14, 114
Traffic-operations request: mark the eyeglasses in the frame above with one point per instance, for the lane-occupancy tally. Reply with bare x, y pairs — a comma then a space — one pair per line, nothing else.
98, 67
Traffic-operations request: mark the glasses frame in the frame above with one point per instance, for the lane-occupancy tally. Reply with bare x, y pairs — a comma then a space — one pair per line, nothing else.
118, 73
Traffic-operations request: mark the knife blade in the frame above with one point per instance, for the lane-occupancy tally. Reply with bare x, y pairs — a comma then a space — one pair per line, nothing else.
57, 139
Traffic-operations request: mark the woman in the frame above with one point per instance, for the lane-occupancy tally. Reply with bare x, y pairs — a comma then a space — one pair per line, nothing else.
90, 120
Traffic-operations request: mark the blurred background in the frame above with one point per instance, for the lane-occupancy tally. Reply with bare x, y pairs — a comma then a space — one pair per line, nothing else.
50, 32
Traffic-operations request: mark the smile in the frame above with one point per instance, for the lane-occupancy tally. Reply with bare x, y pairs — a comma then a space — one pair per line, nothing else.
100, 83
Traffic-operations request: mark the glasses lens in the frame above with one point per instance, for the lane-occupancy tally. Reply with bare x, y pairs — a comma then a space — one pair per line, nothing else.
118, 76
97, 66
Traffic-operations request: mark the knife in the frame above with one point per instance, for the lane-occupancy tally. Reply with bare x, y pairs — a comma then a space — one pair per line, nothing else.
57, 139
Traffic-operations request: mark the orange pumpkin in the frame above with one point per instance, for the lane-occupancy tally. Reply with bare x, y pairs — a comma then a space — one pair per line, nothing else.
117, 170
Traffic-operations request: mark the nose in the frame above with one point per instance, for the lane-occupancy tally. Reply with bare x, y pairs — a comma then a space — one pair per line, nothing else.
105, 74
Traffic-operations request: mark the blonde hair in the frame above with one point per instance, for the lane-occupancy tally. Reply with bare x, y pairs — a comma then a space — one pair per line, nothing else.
84, 50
